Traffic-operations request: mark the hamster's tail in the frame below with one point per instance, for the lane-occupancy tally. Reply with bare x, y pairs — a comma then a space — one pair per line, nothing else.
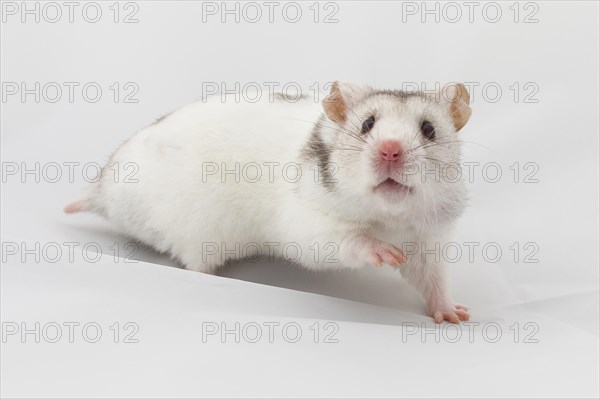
77, 206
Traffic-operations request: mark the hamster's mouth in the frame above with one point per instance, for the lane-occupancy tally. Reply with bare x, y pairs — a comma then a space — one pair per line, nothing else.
392, 189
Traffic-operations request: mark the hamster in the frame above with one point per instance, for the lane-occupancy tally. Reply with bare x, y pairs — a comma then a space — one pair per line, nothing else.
346, 183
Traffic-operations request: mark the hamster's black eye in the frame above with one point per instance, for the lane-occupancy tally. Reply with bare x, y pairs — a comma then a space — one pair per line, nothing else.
368, 125
428, 130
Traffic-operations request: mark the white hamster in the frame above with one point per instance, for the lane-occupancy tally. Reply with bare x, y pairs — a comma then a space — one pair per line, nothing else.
346, 183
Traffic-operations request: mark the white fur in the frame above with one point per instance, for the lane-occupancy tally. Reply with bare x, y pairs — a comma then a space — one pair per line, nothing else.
177, 208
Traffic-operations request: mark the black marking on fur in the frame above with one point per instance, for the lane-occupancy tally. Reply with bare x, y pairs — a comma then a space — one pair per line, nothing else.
402, 95
317, 151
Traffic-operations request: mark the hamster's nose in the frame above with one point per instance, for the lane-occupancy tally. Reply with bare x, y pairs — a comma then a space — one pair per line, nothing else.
390, 150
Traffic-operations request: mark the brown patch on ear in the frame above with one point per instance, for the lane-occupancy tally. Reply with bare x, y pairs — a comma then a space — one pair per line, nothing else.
334, 104
459, 107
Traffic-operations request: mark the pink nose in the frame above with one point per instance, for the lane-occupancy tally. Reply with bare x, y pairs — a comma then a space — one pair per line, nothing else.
390, 150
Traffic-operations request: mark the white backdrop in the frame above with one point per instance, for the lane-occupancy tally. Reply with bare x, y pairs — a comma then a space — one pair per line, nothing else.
533, 74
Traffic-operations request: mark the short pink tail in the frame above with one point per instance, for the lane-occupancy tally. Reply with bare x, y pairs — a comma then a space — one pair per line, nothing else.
77, 206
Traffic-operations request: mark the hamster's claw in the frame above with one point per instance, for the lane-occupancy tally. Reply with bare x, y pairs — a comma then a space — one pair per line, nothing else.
456, 315
382, 252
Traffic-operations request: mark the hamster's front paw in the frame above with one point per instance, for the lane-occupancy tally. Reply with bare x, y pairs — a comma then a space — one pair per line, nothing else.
452, 313
379, 252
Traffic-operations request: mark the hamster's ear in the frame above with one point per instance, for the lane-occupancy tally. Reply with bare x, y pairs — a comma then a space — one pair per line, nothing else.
342, 97
458, 96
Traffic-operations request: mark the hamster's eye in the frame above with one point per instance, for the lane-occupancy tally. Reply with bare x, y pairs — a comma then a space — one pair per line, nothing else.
368, 125
428, 130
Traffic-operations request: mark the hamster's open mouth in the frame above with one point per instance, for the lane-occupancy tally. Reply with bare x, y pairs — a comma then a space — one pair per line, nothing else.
392, 189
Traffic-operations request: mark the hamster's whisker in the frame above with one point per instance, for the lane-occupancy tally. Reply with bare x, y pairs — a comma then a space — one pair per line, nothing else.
459, 142
352, 122
437, 161
415, 135
340, 129
335, 128
429, 145
344, 130
436, 143
477, 144
328, 150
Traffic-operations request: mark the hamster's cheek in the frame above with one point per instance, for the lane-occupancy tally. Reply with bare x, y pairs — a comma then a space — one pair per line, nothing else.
356, 178
366, 174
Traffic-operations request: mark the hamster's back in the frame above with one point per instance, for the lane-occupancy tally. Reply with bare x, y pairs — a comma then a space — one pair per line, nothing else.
196, 171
